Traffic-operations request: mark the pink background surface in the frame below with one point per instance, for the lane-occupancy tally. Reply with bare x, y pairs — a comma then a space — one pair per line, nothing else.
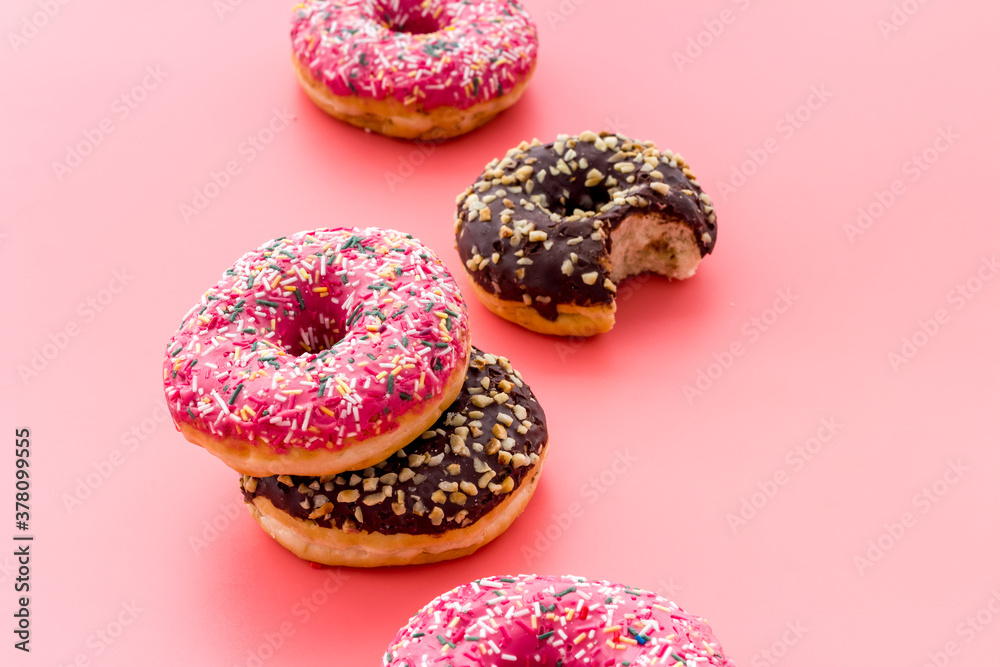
104, 251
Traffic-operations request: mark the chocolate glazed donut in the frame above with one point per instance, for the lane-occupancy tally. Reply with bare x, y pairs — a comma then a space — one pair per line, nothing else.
548, 231
450, 491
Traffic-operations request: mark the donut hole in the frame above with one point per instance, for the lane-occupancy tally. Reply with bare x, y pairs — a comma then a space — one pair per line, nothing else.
651, 243
412, 17
309, 334
587, 201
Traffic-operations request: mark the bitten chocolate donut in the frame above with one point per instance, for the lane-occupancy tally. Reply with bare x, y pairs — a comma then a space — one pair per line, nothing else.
547, 232
318, 352
449, 492
541, 620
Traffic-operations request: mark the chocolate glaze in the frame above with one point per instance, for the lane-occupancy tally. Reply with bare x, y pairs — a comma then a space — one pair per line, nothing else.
591, 183
440, 481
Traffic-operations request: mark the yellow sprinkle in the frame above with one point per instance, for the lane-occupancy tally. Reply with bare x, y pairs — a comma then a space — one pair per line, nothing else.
381, 375
327, 411
613, 628
580, 637
397, 370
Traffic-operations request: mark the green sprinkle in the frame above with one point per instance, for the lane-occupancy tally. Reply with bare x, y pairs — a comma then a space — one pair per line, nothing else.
177, 351
471, 638
298, 297
269, 304
427, 308
569, 590
249, 331
390, 383
191, 414
546, 635
441, 345
445, 641
418, 635
404, 396
236, 393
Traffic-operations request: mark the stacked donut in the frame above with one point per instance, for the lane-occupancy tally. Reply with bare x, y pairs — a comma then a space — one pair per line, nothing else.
334, 370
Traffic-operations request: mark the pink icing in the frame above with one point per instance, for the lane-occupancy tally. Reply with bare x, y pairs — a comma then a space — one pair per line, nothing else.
446, 53
533, 620
318, 337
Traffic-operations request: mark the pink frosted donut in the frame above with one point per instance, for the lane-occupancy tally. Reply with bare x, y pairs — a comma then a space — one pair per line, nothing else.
320, 352
416, 69
544, 620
